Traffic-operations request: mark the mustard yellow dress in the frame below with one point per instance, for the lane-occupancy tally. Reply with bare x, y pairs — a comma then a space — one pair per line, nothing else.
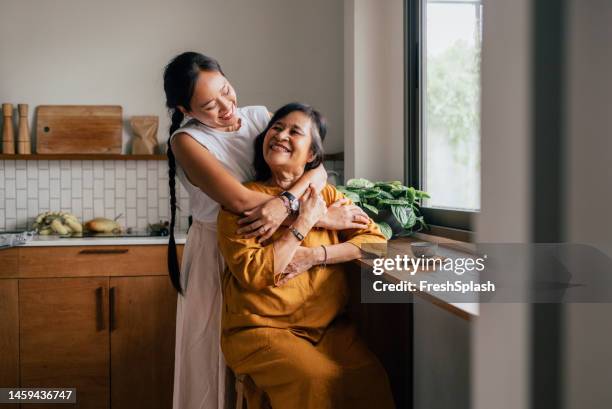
294, 341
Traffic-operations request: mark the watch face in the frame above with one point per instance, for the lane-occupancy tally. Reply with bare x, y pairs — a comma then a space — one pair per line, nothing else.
295, 205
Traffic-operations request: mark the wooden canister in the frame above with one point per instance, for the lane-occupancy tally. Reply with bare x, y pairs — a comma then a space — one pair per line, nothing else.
8, 135
24, 145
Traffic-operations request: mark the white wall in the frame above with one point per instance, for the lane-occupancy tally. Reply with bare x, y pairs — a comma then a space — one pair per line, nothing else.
374, 89
113, 52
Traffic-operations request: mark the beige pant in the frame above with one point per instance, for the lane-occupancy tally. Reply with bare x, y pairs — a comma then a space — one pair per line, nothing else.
338, 372
199, 368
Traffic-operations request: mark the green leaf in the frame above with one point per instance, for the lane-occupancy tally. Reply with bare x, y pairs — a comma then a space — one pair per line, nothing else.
371, 208
385, 229
395, 202
369, 194
359, 183
404, 215
386, 195
353, 196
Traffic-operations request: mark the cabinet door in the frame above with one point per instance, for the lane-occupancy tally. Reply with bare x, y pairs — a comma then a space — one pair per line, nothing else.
143, 314
9, 337
65, 338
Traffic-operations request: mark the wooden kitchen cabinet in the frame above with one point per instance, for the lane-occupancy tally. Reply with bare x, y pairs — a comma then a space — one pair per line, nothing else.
9, 336
97, 318
143, 311
64, 337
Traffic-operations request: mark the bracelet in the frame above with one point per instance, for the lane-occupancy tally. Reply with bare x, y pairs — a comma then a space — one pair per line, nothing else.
296, 233
325, 259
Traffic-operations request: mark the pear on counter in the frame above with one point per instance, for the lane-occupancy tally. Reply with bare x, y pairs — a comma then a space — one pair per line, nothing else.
103, 225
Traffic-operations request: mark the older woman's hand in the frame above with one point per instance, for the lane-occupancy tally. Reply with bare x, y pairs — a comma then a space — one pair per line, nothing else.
342, 216
303, 260
312, 206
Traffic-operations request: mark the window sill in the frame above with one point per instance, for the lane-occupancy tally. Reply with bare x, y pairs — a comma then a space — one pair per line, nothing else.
447, 248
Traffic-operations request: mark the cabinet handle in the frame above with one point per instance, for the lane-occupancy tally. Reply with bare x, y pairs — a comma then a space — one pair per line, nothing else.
100, 308
111, 298
104, 251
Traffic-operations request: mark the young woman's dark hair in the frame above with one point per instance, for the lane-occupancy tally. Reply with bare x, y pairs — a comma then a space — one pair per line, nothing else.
319, 129
180, 77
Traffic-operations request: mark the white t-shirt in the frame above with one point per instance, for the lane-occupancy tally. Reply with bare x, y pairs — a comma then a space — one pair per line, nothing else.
235, 150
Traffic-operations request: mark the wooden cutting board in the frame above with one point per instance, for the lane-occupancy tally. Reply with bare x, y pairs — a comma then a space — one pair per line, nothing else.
78, 129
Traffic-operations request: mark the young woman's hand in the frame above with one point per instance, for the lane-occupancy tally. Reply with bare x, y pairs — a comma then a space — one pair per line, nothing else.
312, 206
263, 220
343, 216
303, 260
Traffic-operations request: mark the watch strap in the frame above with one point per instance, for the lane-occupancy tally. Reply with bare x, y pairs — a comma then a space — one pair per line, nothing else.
296, 233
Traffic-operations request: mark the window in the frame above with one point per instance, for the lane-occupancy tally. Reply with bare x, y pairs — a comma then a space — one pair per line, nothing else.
443, 39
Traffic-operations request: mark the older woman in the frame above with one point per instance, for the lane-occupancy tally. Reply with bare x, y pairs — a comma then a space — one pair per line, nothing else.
283, 322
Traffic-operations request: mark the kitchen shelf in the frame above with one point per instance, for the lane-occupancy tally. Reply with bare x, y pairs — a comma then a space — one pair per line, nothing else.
81, 156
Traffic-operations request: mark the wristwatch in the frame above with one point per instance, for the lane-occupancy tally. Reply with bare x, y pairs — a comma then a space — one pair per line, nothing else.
294, 203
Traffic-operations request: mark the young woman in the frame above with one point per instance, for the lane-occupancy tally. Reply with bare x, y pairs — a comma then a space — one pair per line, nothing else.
211, 150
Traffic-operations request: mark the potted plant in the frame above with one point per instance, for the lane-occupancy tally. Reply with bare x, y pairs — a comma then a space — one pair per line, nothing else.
393, 206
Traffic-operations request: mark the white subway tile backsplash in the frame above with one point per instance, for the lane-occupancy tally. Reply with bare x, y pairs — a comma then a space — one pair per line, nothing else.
65, 178
21, 179
98, 189
43, 177
32, 188
120, 188
22, 199
98, 207
109, 178
88, 198
131, 198
88, 178
77, 207
54, 188
136, 189
141, 206
32, 169
152, 198
11, 208
141, 189
65, 200
9, 169
120, 170
33, 208
109, 198
152, 178
43, 199
98, 169
141, 170
77, 188
130, 178
54, 170
10, 189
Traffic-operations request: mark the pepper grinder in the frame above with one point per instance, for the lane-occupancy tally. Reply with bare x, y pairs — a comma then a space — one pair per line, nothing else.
8, 136
24, 146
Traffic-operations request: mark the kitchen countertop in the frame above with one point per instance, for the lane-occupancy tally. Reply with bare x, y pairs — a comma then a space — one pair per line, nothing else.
54, 241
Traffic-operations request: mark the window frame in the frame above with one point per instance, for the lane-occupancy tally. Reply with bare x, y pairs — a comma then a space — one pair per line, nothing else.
457, 222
